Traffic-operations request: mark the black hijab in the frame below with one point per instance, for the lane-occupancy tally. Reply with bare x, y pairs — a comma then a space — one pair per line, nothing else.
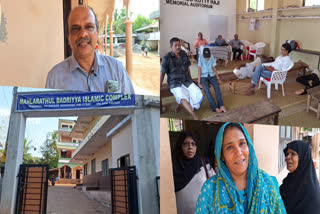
184, 169
300, 190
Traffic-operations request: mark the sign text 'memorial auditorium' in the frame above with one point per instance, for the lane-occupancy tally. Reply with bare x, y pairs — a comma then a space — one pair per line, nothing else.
194, 3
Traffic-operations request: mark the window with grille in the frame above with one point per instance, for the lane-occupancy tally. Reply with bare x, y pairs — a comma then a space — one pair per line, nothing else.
175, 125
123, 161
105, 167
286, 136
93, 166
85, 169
256, 4
311, 2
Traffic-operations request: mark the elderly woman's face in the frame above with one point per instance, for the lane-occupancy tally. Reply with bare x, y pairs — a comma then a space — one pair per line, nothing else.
189, 148
235, 152
292, 160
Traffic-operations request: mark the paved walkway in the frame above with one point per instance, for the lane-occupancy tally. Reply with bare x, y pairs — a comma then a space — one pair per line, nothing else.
67, 200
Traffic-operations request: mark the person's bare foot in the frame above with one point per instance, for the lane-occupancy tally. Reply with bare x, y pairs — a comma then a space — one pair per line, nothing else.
218, 110
178, 108
304, 64
250, 90
194, 116
310, 83
223, 109
299, 92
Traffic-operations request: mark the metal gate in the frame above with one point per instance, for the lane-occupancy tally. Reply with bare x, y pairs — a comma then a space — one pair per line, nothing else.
124, 195
32, 189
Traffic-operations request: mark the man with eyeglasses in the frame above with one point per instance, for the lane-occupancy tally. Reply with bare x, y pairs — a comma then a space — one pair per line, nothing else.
85, 69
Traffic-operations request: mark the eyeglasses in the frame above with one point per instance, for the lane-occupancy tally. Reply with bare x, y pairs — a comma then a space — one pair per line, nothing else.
188, 144
75, 29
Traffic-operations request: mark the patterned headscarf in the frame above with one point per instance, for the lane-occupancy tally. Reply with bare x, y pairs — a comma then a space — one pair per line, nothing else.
220, 194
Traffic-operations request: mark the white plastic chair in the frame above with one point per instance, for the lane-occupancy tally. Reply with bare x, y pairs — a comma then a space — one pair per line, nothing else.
256, 49
246, 47
277, 77
241, 57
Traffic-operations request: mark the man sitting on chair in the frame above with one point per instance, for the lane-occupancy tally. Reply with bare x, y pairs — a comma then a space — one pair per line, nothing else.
235, 44
176, 65
281, 63
220, 41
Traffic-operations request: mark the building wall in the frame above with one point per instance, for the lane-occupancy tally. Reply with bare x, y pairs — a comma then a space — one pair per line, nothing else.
34, 41
103, 153
266, 145
167, 195
304, 31
185, 22
122, 145
74, 172
65, 139
155, 118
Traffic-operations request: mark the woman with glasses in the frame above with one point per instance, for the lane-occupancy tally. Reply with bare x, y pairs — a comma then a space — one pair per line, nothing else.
190, 171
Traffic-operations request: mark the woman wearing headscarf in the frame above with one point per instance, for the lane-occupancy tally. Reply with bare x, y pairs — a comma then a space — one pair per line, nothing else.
239, 186
190, 171
300, 190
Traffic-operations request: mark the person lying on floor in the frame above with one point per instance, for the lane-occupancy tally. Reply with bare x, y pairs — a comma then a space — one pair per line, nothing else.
208, 75
176, 65
281, 63
246, 70
309, 80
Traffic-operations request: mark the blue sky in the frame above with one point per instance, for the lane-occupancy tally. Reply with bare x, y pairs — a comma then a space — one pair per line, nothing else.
36, 128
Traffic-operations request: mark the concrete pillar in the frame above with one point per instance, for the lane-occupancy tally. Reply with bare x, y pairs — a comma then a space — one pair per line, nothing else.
105, 43
145, 122
315, 146
14, 158
59, 173
129, 46
167, 195
274, 44
111, 42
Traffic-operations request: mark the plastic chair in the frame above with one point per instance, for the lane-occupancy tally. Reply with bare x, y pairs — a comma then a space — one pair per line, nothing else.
246, 47
277, 77
231, 57
256, 49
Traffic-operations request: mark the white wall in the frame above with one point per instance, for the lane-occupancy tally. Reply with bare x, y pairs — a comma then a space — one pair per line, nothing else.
34, 41
266, 144
185, 22
105, 152
122, 144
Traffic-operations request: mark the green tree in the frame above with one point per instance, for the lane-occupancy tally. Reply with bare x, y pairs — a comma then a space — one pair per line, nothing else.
141, 21
118, 25
27, 157
49, 151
